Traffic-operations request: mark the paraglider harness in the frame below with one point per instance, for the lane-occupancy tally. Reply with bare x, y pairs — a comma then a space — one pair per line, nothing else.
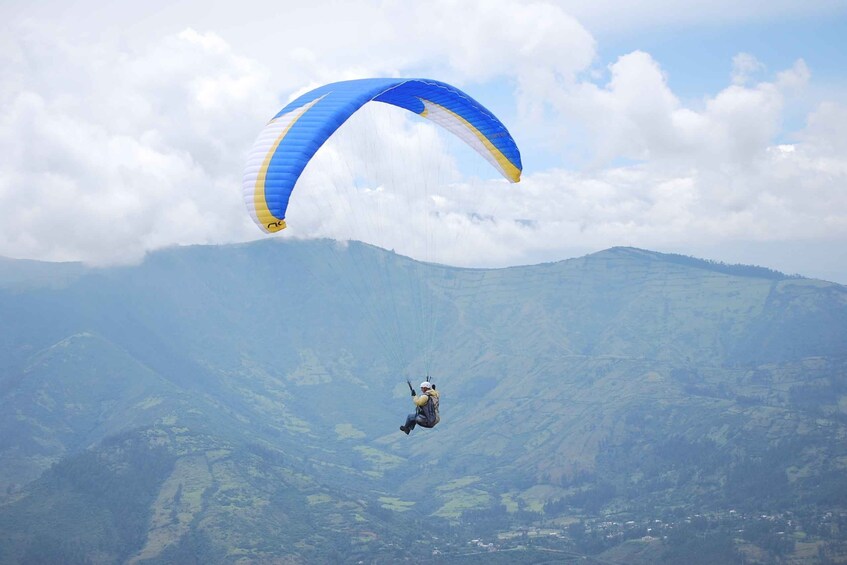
428, 410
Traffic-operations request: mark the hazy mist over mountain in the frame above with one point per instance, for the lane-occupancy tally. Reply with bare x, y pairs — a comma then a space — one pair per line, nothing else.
216, 404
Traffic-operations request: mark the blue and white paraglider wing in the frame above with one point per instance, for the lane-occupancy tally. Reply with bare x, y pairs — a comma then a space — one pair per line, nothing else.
294, 135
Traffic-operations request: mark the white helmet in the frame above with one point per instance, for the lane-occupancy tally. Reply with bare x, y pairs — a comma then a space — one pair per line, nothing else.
426, 384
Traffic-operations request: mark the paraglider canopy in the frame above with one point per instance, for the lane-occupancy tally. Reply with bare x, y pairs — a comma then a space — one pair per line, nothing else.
293, 136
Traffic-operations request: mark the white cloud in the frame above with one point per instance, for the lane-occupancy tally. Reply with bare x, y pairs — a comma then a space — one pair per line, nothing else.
112, 148
108, 154
123, 149
606, 16
744, 66
488, 38
637, 116
824, 132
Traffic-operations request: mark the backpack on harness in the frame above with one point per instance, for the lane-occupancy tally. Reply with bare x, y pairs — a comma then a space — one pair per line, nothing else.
430, 412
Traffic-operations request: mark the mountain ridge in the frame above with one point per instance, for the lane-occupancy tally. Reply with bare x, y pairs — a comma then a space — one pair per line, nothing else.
267, 379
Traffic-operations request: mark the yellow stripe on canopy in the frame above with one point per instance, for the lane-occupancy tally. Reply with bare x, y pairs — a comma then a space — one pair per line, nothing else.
461, 127
270, 222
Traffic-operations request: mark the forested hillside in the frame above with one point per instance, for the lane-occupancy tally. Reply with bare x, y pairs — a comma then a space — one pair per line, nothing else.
218, 403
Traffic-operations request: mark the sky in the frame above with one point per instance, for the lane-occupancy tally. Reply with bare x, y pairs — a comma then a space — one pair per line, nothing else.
712, 129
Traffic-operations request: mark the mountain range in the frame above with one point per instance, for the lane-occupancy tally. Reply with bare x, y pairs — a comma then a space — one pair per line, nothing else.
224, 403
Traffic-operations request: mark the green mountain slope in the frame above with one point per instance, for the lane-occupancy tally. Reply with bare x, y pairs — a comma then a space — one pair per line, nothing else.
73, 395
259, 389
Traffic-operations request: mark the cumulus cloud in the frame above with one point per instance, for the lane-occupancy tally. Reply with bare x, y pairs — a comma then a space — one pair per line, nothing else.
110, 149
114, 150
108, 153
712, 173
744, 67
636, 115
